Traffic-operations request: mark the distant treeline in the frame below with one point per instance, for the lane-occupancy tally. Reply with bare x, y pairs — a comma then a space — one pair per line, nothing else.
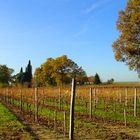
54, 71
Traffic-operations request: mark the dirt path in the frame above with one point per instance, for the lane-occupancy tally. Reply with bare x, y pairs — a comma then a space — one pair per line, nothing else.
135, 133
43, 133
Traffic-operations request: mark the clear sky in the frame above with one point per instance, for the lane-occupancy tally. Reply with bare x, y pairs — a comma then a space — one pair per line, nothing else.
84, 30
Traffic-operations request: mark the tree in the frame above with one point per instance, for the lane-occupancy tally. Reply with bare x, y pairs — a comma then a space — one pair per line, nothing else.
59, 71
38, 77
110, 81
5, 75
19, 78
47, 70
65, 69
127, 46
43, 74
97, 79
28, 74
24, 78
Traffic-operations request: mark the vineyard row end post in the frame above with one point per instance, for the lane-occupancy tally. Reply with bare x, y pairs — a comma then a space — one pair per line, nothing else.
71, 127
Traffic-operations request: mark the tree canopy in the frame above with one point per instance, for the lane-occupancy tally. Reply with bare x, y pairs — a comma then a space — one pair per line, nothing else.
97, 79
59, 71
127, 46
25, 78
5, 75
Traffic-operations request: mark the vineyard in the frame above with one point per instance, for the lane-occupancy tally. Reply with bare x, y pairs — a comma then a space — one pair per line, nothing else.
95, 108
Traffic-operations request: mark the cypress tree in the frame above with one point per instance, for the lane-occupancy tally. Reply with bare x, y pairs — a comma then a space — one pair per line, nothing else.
20, 76
28, 73
97, 79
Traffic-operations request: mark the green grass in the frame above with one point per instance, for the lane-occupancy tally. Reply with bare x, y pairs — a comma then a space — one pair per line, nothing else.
99, 112
7, 119
102, 112
10, 127
126, 83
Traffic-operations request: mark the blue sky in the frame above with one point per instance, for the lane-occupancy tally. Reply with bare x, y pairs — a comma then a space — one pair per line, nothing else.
84, 30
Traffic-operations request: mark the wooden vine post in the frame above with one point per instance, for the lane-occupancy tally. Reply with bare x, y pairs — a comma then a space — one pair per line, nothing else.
11, 97
90, 103
126, 96
59, 98
20, 99
94, 98
7, 92
120, 97
49, 118
71, 127
135, 102
64, 129
125, 122
55, 120
36, 104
